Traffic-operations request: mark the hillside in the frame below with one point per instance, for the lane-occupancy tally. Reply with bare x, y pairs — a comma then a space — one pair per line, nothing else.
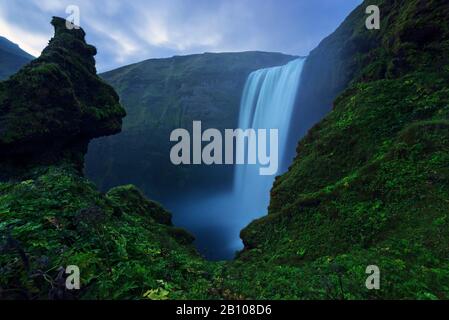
12, 58
160, 95
370, 183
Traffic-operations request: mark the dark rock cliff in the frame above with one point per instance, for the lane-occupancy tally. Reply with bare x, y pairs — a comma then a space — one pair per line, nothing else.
53, 107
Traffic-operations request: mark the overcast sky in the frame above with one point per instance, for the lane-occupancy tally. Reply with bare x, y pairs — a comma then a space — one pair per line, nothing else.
127, 31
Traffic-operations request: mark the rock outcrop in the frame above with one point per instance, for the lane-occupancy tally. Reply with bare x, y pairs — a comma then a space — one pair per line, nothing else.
53, 107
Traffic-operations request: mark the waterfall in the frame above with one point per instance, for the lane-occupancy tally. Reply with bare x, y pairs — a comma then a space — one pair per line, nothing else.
267, 102
217, 218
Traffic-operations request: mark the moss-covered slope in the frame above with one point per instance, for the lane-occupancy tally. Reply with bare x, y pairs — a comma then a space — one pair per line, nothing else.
123, 244
370, 184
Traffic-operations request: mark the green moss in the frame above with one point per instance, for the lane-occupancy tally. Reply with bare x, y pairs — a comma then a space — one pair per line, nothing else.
370, 184
130, 198
59, 219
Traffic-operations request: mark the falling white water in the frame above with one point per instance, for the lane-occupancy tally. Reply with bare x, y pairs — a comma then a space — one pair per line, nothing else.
216, 219
267, 103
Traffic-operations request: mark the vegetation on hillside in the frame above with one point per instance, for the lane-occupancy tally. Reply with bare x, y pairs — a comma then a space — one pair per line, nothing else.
124, 245
370, 183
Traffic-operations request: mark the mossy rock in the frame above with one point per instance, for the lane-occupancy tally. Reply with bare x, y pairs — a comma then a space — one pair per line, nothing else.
130, 198
60, 219
55, 105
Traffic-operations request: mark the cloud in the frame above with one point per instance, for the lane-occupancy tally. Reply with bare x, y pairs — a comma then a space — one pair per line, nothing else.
50, 5
126, 31
31, 41
178, 29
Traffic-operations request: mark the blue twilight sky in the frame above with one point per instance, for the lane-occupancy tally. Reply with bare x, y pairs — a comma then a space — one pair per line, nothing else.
127, 31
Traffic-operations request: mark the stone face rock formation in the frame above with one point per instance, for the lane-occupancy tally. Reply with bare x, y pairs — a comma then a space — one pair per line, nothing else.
41, 125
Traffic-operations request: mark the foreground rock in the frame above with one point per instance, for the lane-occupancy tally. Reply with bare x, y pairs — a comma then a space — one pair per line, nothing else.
53, 107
